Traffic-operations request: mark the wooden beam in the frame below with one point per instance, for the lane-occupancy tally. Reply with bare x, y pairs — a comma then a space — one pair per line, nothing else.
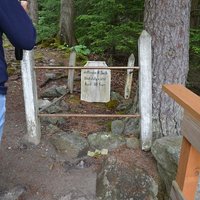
187, 99
30, 98
77, 67
191, 130
129, 77
72, 63
176, 193
188, 170
88, 115
145, 89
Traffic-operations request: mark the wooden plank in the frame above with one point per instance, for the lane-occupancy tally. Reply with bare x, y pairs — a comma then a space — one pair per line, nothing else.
176, 193
188, 170
78, 67
72, 63
187, 99
191, 130
145, 89
30, 98
89, 115
129, 78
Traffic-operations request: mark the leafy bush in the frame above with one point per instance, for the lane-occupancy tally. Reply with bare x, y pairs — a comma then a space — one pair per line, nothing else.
81, 49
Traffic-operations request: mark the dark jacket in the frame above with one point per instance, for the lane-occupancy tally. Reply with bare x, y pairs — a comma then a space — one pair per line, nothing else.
18, 28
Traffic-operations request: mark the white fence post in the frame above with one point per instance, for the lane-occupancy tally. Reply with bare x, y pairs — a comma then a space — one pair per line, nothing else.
72, 63
129, 78
145, 89
30, 98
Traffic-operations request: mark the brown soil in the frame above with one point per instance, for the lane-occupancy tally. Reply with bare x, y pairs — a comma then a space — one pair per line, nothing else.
40, 168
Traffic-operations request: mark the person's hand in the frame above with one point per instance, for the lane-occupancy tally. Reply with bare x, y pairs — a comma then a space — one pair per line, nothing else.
24, 4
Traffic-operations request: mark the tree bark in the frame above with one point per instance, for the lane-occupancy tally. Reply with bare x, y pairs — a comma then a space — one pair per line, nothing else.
66, 32
33, 9
167, 22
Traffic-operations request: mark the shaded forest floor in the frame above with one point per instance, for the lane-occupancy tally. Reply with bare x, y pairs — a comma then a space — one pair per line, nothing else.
41, 169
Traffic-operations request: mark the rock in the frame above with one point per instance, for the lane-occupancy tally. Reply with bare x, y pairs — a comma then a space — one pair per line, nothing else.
125, 105
76, 195
54, 91
52, 62
42, 103
116, 96
132, 127
117, 181
50, 76
64, 106
51, 129
71, 144
166, 151
104, 140
53, 109
13, 194
132, 143
50, 92
117, 127
53, 120
61, 90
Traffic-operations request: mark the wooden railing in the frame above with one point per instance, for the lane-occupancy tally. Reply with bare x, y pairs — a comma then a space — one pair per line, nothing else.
28, 70
185, 185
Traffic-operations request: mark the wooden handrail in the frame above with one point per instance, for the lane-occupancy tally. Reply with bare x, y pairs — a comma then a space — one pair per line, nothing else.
189, 162
187, 99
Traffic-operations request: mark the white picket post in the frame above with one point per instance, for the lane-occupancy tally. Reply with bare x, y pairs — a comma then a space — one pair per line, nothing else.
30, 98
145, 89
72, 62
129, 78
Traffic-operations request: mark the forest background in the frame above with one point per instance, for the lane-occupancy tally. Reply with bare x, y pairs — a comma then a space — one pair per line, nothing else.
109, 29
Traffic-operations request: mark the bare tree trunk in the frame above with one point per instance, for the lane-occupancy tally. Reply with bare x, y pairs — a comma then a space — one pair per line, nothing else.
66, 33
167, 21
33, 9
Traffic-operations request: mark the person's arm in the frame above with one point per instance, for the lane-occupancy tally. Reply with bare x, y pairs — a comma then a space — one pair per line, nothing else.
16, 24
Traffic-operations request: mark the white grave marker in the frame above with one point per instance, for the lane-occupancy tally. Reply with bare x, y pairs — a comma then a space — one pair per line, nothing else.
95, 83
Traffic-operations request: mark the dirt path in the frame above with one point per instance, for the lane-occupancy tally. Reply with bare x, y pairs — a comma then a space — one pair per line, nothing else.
46, 174
40, 169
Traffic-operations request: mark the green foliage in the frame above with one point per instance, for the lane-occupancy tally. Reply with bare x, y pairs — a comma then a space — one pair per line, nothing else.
195, 41
194, 49
48, 21
109, 26
81, 49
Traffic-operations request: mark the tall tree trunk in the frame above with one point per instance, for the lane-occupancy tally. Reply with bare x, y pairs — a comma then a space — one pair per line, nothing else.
66, 33
167, 21
33, 9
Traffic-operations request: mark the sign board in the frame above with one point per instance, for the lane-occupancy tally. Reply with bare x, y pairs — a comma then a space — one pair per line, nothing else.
95, 83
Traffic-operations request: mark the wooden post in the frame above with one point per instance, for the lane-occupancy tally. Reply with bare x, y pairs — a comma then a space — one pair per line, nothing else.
188, 170
129, 78
145, 89
189, 162
30, 98
72, 63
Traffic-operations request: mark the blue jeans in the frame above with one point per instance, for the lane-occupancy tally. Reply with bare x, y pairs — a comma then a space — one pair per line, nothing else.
2, 113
